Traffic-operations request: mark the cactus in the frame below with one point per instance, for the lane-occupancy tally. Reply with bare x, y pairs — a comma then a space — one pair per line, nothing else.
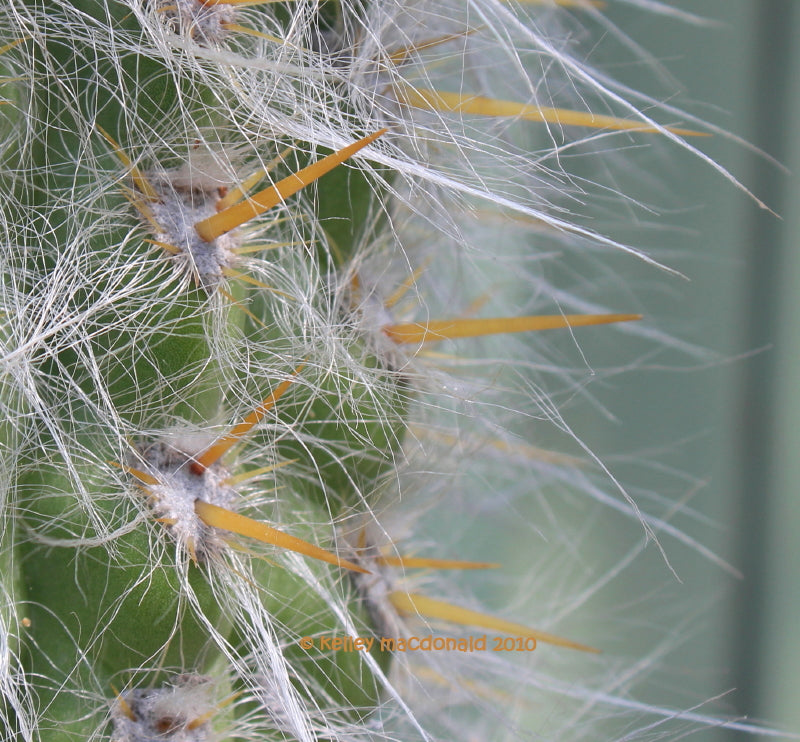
274, 280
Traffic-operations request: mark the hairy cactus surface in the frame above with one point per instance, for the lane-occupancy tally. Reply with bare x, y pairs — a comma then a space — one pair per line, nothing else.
285, 286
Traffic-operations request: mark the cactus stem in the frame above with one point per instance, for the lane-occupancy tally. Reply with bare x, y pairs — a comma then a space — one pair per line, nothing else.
436, 330
422, 605
234, 216
437, 100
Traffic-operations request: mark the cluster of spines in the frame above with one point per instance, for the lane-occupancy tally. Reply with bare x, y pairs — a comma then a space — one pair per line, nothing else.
198, 522
198, 224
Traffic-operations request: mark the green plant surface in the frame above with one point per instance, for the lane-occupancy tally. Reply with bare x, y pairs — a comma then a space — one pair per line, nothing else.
293, 296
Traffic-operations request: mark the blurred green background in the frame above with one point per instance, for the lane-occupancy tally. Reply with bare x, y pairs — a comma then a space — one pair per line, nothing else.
742, 410
703, 430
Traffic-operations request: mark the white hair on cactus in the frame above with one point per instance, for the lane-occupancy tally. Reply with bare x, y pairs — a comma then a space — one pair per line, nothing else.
177, 712
487, 102
207, 23
175, 489
178, 207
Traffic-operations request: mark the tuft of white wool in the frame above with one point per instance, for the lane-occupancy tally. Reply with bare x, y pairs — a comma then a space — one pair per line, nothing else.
175, 712
172, 498
180, 204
